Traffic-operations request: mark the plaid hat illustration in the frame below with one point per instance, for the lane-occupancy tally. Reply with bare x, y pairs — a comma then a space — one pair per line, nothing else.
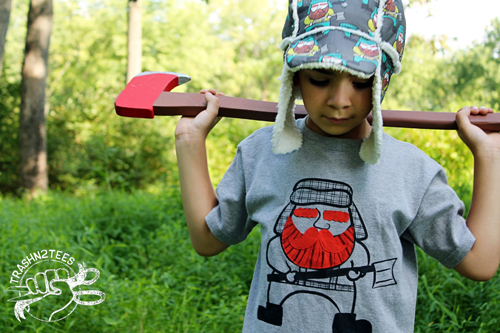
363, 37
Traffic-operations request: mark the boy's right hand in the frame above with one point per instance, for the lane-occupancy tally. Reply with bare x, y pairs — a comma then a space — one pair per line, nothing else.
199, 126
198, 195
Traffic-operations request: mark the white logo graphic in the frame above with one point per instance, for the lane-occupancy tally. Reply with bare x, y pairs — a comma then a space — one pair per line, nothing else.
49, 289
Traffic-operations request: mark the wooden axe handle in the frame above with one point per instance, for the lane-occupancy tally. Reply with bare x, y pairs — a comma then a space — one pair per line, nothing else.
190, 104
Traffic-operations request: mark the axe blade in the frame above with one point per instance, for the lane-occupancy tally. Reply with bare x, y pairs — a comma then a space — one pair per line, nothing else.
383, 274
138, 97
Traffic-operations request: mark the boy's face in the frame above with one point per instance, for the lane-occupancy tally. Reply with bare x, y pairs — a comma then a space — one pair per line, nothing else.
337, 102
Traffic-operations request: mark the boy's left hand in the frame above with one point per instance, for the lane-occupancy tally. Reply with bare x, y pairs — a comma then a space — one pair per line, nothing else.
475, 138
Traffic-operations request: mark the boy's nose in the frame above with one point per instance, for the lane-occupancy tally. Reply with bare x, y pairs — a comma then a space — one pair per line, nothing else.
339, 95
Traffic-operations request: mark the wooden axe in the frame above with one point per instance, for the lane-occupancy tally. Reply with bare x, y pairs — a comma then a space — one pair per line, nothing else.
148, 95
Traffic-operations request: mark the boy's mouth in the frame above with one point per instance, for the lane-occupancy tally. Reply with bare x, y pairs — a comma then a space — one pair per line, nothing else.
337, 121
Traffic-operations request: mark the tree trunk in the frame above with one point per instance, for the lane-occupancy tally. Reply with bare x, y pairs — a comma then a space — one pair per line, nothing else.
32, 134
4, 25
134, 61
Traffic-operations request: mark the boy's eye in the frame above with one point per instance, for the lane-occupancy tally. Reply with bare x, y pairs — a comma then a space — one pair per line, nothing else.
363, 84
319, 83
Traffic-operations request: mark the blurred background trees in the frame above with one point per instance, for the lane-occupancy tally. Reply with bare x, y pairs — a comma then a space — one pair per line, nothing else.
5, 6
134, 39
32, 131
231, 45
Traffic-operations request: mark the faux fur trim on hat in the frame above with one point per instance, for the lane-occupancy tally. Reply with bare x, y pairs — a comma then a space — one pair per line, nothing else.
286, 135
371, 148
387, 48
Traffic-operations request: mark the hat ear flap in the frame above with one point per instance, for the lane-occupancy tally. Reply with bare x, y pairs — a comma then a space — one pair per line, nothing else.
371, 147
286, 135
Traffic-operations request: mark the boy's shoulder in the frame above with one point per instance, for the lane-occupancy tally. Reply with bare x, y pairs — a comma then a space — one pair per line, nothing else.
261, 133
401, 146
402, 152
261, 138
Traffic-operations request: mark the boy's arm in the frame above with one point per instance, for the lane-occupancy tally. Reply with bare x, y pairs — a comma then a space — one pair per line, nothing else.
198, 195
482, 262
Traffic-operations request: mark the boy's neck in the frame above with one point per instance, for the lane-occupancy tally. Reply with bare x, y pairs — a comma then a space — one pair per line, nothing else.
362, 131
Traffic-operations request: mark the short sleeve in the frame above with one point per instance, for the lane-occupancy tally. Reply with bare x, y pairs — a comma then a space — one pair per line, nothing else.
229, 221
439, 227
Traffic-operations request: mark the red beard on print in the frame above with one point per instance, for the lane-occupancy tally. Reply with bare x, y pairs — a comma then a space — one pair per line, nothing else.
316, 249
319, 11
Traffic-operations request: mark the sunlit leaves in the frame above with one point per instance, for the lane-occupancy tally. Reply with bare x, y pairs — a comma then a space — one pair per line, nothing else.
230, 45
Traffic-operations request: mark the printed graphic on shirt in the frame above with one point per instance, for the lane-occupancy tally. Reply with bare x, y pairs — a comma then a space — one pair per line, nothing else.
318, 252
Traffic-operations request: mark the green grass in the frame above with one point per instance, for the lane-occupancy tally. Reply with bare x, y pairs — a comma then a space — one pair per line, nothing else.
155, 282
448, 302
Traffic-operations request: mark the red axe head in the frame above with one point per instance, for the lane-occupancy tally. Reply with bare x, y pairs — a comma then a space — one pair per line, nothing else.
137, 99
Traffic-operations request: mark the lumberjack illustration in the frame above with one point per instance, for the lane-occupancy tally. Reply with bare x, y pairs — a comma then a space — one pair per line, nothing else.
318, 249
319, 14
366, 51
307, 47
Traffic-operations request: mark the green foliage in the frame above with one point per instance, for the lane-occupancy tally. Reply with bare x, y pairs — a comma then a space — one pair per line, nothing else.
476, 71
154, 281
417, 2
89, 146
440, 80
9, 128
224, 44
10, 97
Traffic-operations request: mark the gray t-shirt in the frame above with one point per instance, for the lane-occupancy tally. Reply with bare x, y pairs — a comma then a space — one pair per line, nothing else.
338, 235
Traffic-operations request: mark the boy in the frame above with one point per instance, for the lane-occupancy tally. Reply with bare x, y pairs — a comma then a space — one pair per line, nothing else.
341, 204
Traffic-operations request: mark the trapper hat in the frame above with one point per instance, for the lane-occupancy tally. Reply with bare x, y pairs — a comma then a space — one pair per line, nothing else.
363, 37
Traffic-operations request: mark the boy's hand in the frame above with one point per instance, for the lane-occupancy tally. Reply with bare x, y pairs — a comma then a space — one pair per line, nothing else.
202, 124
198, 195
475, 138
483, 220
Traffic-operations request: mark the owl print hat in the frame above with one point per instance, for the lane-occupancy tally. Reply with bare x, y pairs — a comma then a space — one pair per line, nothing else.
363, 37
